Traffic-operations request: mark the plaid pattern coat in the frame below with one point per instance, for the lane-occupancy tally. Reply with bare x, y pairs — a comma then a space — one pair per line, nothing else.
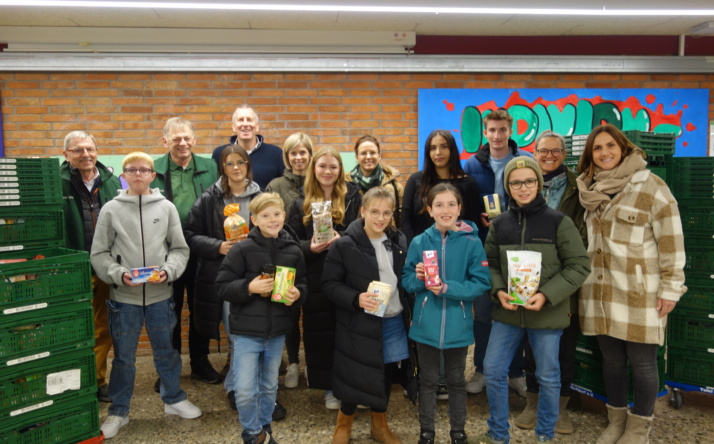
636, 248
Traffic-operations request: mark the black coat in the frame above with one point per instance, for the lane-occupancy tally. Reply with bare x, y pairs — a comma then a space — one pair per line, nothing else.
319, 313
351, 264
251, 314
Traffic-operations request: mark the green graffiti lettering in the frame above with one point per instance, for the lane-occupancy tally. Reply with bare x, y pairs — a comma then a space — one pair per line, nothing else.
583, 117
639, 121
668, 128
471, 129
525, 114
607, 112
562, 121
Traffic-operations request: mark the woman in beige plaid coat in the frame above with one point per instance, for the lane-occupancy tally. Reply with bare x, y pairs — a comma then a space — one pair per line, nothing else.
636, 248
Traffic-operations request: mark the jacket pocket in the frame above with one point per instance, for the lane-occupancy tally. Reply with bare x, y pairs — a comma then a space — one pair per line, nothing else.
629, 226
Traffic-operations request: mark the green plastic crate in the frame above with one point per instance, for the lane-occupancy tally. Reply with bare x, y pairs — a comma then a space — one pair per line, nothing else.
58, 378
688, 367
691, 330
660, 172
703, 164
63, 275
66, 422
29, 190
20, 166
654, 144
699, 259
22, 228
697, 299
34, 336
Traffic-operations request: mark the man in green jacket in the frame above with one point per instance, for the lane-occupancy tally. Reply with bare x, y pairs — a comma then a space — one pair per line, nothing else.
86, 186
182, 177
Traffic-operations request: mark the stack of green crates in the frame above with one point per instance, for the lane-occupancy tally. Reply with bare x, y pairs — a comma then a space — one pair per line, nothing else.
47, 367
691, 324
658, 146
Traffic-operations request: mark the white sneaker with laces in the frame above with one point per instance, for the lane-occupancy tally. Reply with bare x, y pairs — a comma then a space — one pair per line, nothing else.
519, 385
184, 409
112, 424
477, 383
292, 376
332, 403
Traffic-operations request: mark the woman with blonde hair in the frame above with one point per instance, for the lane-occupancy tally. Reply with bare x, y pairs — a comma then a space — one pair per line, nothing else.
325, 181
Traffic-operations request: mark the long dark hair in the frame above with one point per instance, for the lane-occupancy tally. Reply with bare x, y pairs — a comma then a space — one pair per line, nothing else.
234, 149
429, 177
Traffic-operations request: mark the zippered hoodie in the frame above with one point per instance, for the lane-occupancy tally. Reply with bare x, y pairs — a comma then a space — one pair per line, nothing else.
138, 231
446, 321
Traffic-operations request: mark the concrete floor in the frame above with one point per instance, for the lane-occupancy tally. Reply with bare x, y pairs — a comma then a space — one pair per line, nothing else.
309, 422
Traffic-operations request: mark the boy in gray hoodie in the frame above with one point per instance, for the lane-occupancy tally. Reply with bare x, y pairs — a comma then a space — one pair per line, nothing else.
140, 228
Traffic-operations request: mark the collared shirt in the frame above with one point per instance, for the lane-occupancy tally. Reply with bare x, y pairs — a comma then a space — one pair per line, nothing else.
182, 188
90, 184
259, 138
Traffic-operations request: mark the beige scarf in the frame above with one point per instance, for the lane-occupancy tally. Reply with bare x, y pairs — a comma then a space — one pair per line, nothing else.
595, 191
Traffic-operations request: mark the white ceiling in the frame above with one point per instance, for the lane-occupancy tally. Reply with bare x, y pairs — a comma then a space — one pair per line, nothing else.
420, 23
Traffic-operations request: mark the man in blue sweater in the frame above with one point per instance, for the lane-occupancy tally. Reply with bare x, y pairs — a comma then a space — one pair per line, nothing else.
487, 166
266, 159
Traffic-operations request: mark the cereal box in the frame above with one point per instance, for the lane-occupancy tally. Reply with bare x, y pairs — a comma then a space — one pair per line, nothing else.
431, 268
143, 275
284, 279
383, 293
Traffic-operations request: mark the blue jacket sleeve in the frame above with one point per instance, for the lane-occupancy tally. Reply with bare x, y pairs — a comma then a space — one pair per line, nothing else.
410, 283
478, 277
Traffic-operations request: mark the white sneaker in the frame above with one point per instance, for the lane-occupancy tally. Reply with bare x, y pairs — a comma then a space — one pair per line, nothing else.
477, 383
519, 385
184, 409
112, 424
292, 376
332, 403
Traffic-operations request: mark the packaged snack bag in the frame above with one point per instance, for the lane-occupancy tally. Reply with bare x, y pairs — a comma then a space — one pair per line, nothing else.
493, 205
284, 279
523, 275
384, 293
431, 268
235, 226
322, 221
143, 275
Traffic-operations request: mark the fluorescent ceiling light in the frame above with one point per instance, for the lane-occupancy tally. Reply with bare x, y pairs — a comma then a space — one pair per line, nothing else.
346, 8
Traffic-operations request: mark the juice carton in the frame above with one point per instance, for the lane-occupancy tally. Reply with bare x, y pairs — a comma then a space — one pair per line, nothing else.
431, 268
384, 293
284, 279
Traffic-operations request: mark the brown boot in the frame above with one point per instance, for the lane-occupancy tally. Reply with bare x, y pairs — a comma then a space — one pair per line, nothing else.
343, 430
380, 430
637, 430
529, 415
564, 424
617, 417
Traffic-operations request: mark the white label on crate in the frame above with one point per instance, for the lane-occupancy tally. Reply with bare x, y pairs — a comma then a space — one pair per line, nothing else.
10, 203
11, 173
12, 192
31, 408
12, 247
28, 358
62, 381
4, 165
584, 350
7, 160
8, 311
12, 179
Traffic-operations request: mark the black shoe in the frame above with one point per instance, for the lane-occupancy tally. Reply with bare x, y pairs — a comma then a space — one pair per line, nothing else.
261, 438
458, 437
103, 393
426, 437
157, 385
232, 400
203, 371
279, 412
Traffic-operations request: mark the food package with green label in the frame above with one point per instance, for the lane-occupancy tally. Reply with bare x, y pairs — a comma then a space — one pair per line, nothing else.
523, 275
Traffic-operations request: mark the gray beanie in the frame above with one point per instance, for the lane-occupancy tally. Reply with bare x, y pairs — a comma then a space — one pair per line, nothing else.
522, 162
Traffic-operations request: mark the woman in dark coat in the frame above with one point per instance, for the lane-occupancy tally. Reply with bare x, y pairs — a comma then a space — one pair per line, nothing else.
371, 352
325, 181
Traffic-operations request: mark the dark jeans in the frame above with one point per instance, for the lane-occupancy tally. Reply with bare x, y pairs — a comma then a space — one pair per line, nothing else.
390, 377
197, 343
566, 357
292, 339
483, 307
455, 365
643, 358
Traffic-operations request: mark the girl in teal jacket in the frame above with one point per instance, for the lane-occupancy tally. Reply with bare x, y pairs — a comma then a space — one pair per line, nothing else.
443, 320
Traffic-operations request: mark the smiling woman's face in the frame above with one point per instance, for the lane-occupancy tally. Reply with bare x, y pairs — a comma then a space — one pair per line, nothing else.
607, 154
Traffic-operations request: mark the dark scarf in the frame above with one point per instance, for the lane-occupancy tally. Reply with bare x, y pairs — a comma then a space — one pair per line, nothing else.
367, 183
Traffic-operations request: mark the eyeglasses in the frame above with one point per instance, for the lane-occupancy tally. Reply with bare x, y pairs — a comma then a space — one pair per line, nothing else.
138, 171
240, 163
517, 184
544, 152
377, 213
79, 151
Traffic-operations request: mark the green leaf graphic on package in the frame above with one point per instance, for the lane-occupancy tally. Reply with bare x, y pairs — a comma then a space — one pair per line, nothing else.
523, 275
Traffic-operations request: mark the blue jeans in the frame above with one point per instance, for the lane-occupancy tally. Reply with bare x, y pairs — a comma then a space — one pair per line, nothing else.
256, 362
483, 307
502, 346
125, 323
229, 381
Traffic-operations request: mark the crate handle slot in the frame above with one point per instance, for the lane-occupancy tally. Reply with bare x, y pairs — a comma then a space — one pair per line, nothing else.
26, 328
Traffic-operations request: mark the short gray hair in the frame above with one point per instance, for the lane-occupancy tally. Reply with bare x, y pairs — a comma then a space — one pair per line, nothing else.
78, 135
245, 106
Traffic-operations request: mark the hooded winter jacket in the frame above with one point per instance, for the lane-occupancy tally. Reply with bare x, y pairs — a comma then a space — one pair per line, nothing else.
138, 231
288, 187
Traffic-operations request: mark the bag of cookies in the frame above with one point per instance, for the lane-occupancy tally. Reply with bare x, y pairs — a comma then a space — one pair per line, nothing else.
235, 227
322, 221
523, 275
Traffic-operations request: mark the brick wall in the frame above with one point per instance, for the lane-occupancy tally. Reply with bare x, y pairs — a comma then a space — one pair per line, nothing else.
127, 111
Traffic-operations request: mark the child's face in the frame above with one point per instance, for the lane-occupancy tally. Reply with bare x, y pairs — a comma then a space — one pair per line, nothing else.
138, 175
377, 217
445, 210
270, 220
524, 194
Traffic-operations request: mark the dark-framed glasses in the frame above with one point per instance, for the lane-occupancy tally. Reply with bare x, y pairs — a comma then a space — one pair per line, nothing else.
80, 151
138, 171
555, 152
517, 184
